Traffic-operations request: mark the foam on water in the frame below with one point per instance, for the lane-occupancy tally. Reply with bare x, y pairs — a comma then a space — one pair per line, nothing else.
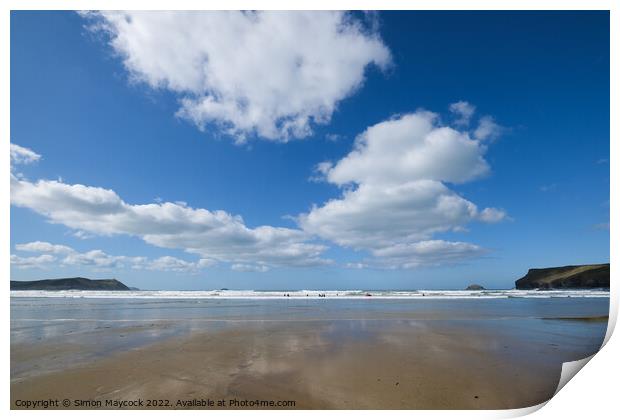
314, 294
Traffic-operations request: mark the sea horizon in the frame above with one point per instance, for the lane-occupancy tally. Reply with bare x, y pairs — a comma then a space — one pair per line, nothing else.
319, 294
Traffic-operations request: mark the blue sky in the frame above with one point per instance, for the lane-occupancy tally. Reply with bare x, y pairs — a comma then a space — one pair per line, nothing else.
149, 151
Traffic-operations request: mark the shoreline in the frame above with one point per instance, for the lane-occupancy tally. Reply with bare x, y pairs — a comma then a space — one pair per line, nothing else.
312, 295
417, 365
347, 354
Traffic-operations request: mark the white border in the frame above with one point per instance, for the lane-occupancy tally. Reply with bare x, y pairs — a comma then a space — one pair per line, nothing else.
593, 394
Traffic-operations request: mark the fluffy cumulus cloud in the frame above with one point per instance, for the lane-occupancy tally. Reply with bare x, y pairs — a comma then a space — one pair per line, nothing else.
271, 74
397, 196
395, 193
40, 261
213, 235
168, 263
411, 147
373, 216
97, 259
412, 255
44, 248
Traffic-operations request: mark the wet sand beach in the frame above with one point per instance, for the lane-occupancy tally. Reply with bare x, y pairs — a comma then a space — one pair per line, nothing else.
356, 356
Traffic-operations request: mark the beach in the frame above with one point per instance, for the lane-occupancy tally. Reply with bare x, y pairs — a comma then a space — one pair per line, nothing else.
358, 353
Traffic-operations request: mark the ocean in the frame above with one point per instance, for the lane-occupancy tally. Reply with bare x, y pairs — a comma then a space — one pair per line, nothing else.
507, 345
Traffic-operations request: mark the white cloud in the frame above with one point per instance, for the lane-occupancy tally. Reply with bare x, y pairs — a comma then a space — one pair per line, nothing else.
395, 200
81, 234
487, 129
44, 247
40, 261
214, 235
395, 196
168, 263
463, 111
273, 74
372, 216
492, 215
320, 171
23, 155
431, 252
249, 268
408, 148
98, 259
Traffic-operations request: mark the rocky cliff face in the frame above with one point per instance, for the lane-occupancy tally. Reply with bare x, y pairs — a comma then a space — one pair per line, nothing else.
74, 283
569, 277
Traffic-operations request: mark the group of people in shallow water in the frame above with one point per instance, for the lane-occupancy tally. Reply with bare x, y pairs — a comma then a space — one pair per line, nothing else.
320, 294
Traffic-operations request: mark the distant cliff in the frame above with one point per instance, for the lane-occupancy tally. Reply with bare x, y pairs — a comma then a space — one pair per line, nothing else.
74, 283
569, 277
